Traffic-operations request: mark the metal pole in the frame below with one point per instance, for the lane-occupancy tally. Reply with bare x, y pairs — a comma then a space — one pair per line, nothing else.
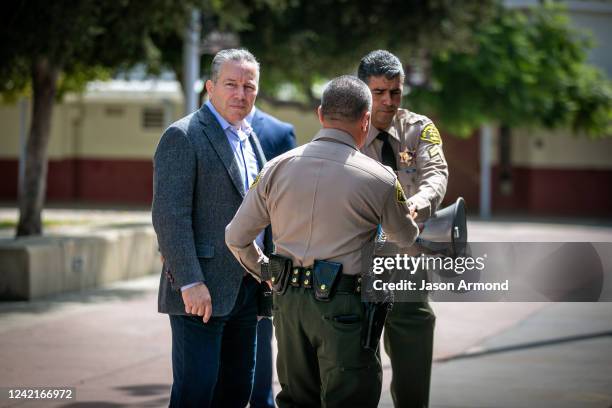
191, 61
486, 139
23, 137
168, 112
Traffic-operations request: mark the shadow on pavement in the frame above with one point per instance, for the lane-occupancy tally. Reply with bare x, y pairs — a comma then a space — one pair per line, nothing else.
524, 346
92, 404
144, 390
158, 394
92, 296
158, 402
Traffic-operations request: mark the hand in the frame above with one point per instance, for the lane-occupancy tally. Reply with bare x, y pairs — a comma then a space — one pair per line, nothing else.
269, 282
413, 211
197, 301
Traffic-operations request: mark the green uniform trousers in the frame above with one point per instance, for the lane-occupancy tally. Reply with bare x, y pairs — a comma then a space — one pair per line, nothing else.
408, 338
320, 360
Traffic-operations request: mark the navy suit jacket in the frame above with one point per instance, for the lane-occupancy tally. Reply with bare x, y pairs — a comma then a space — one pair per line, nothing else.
276, 137
197, 189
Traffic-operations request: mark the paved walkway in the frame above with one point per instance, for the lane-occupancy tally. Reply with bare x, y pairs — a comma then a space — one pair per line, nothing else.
114, 348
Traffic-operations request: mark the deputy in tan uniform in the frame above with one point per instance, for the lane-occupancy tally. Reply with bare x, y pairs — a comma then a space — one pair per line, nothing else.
324, 201
411, 145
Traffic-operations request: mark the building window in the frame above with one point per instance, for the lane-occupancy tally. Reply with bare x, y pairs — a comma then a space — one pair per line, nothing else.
153, 118
114, 111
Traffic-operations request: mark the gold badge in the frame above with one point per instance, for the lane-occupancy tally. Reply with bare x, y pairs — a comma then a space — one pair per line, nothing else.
430, 134
254, 183
399, 193
406, 157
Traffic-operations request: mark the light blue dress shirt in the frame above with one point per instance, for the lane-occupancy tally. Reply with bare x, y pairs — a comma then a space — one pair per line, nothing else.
238, 138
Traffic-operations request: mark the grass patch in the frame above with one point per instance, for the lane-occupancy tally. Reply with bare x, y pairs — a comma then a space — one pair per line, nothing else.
4, 224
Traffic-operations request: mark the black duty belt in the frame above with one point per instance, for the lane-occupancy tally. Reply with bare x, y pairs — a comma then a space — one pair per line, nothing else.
302, 277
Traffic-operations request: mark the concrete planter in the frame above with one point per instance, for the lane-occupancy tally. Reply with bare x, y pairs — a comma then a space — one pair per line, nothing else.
34, 267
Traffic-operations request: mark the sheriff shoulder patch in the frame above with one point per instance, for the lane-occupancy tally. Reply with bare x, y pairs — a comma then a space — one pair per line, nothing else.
430, 134
256, 181
399, 193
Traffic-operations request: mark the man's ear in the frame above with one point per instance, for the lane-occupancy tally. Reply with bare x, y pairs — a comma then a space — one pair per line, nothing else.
365, 121
320, 114
210, 86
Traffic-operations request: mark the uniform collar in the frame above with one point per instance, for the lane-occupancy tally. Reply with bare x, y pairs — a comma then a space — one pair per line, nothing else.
373, 132
337, 135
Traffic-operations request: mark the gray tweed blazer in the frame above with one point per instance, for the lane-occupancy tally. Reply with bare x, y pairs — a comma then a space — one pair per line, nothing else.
197, 189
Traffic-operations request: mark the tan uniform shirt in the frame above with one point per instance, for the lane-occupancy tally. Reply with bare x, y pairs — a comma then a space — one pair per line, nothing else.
324, 200
422, 168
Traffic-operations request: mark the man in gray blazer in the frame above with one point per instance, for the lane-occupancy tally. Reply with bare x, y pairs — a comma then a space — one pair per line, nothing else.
203, 166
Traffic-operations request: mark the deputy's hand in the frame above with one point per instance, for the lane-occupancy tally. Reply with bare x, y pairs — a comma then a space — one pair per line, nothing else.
269, 282
197, 301
413, 211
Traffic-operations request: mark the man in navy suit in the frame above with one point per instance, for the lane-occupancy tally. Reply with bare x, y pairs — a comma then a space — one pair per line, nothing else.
276, 138
203, 167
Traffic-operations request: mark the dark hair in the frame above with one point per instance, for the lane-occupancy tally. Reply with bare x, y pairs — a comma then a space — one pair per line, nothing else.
345, 98
379, 63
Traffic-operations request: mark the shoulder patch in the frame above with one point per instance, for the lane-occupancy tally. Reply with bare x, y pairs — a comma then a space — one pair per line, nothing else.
256, 181
399, 193
430, 134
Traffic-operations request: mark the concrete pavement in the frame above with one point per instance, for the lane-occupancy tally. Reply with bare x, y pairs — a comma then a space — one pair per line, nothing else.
114, 348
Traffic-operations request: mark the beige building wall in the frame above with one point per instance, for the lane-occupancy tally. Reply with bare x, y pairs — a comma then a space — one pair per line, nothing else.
306, 123
9, 130
120, 135
85, 129
558, 149
538, 148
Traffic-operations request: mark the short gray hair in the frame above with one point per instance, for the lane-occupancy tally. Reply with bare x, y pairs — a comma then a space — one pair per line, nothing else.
231, 54
345, 98
379, 63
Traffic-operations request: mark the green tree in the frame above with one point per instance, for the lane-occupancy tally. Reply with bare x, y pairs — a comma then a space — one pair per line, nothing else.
59, 45
302, 42
528, 69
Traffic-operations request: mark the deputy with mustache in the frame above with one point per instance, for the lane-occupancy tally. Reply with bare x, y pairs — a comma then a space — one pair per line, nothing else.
411, 145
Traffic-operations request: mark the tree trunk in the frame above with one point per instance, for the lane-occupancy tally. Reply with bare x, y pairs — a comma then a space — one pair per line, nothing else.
33, 186
505, 160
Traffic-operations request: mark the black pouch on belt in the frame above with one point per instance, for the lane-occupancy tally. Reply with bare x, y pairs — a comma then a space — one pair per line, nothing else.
326, 276
277, 270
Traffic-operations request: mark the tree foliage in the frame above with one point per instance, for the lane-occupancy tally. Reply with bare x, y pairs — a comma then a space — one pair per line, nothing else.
529, 69
62, 43
84, 38
301, 42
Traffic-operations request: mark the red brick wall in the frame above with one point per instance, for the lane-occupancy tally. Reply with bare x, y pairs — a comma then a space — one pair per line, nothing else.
90, 180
